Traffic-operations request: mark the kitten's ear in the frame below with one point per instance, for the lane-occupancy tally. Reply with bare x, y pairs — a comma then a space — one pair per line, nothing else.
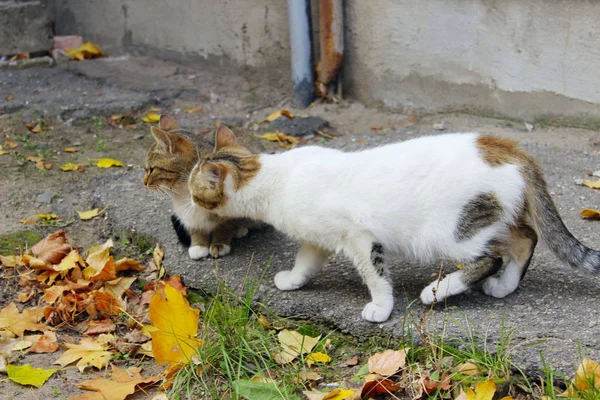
215, 173
167, 123
163, 139
224, 138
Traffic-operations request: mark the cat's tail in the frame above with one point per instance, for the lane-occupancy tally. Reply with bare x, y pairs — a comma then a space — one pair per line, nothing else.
550, 227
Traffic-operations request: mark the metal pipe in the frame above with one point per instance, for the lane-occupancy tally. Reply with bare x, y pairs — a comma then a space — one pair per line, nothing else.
302, 66
332, 43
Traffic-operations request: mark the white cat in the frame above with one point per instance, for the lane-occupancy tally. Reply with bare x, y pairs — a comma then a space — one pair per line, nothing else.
469, 197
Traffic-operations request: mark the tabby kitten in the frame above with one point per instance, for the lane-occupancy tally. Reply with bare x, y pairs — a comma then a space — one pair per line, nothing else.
477, 199
168, 163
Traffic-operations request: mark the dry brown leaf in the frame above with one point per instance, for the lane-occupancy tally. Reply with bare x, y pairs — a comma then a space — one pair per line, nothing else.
121, 384
88, 353
293, 344
388, 362
378, 387
53, 248
17, 323
52, 293
9, 144
377, 127
106, 302
98, 327
128, 264
589, 213
350, 363
45, 344
468, 368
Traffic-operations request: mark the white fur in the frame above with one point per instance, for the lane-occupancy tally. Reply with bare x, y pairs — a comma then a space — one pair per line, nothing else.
407, 196
198, 252
190, 216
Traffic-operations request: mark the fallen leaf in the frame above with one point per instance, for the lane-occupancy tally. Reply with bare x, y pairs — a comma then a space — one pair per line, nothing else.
254, 390
377, 127
157, 257
151, 117
193, 110
106, 302
11, 261
338, 394
350, 363
121, 384
52, 293
70, 167
388, 362
10, 144
26, 294
70, 150
88, 353
176, 324
468, 368
588, 213
87, 215
119, 286
378, 387
37, 128
27, 375
293, 344
100, 263
279, 137
128, 264
9, 97
17, 323
53, 248
317, 357
431, 384
109, 162
87, 50
45, 344
309, 376
592, 184
276, 114
587, 375
483, 391
411, 119
98, 327
72, 260
35, 159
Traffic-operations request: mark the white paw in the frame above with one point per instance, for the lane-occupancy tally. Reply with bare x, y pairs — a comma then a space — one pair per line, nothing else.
428, 294
197, 252
285, 280
241, 232
495, 287
376, 313
218, 250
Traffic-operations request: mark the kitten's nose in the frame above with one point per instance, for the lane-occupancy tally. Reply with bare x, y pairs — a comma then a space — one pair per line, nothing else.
146, 178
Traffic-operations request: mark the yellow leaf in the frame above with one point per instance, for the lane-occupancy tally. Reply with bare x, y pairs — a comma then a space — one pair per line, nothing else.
121, 384
37, 128
588, 372
157, 257
2, 151
338, 394
27, 375
483, 391
468, 368
35, 159
193, 110
317, 357
293, 344
72, 260
89, 352
17, 323
274, 115
279, 137
87, 215
590, 214
108, 162
87, 50
151, 117
100, 262
70, 167
388, 362
48, 217
592, 184
176, 324
10, 145
70, 150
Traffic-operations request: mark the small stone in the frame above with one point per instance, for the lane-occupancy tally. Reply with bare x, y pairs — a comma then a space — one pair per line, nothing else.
529, 127
579, 182
192, 77
45, 198
439, 126
213, 97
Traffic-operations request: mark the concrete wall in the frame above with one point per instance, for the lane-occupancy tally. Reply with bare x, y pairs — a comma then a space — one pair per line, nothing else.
523, 59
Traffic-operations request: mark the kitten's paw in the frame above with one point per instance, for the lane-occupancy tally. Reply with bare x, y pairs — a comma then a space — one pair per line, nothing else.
428, 295
495, 287
241, 232
376, 313
198, 252
219, 250
285, 280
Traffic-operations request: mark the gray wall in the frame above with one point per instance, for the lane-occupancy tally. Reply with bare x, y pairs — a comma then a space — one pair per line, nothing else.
518, 58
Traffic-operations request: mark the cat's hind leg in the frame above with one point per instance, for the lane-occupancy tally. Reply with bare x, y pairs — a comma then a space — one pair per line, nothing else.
461, 280
521, 244
309, 260
369, 261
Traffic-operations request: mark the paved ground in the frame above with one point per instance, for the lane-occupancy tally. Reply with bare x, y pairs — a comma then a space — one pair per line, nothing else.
555, 307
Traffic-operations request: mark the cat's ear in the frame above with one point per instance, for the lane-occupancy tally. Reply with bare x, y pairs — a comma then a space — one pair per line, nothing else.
163, 139
224, 138
167, 123
215, 173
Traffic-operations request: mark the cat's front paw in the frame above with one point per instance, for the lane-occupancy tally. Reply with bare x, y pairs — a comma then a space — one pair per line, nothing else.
285, 280
495, 287
428, 295
198, 252
219, 250
241, 232
377, 313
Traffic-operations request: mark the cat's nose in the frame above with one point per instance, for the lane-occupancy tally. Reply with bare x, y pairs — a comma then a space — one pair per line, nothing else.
146, 179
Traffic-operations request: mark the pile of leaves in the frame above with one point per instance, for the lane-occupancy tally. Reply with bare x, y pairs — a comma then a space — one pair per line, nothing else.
65, 294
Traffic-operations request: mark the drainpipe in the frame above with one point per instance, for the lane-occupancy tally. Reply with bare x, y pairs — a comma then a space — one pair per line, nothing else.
302, 66
332, 44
